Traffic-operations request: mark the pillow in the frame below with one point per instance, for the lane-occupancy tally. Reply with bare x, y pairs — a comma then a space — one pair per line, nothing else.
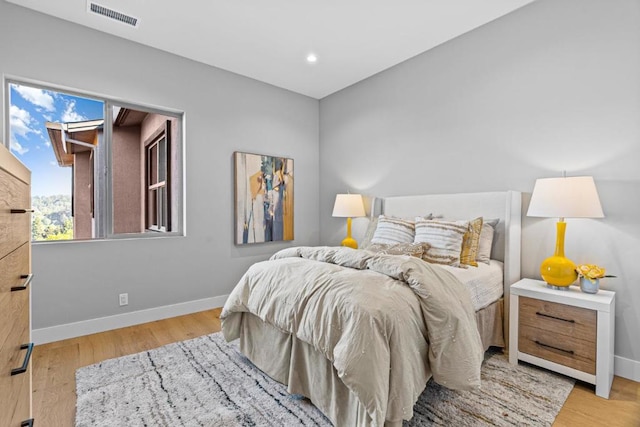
444, 239
393, 230
470, 243
368, 235
411, 249
486, 240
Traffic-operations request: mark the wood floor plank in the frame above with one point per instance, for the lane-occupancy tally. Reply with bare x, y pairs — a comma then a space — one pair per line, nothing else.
584, 408
54, 365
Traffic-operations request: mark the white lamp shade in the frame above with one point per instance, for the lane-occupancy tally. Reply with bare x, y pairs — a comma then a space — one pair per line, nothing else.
348, 205
567, 197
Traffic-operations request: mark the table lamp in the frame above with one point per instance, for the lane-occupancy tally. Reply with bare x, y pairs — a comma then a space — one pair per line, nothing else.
565, 197
349, 206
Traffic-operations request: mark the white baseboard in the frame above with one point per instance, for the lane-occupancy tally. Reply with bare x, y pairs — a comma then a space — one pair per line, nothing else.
101, 324
626, 368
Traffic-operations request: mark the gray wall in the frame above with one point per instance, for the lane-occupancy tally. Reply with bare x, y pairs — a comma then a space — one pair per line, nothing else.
553, 86
224, 112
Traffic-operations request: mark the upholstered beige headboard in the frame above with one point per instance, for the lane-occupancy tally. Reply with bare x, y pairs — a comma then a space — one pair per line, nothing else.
504, 205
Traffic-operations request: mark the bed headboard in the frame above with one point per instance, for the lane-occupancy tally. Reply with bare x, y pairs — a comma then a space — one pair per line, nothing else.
504, 205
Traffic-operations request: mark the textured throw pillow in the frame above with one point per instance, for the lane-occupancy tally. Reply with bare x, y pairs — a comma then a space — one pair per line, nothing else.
470, 243
444, 239
393, 230
486, 240
411, 249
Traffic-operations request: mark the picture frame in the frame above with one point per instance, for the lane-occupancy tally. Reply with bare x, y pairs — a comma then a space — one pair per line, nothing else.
263, 189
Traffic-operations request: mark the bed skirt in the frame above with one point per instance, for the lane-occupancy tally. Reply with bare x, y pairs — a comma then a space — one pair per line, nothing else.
307, 372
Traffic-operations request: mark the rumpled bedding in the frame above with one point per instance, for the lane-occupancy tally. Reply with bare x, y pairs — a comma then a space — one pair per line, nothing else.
386, 322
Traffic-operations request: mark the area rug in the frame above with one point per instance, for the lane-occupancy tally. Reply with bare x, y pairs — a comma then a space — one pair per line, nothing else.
207, 382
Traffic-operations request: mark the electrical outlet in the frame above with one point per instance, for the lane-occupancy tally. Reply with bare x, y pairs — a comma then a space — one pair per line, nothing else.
124, 299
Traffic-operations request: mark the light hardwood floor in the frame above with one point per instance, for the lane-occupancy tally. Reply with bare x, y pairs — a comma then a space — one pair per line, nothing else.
55, 364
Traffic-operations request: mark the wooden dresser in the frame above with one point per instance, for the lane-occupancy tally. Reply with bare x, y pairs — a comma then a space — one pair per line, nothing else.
15, 279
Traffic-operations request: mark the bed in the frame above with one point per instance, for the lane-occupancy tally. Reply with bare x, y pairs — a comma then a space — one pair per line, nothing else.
364, 352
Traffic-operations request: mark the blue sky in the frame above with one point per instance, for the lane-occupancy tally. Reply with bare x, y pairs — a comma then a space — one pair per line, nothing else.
30, 109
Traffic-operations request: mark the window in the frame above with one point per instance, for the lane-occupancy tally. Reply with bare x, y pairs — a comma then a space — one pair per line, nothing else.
100, 169
157, 203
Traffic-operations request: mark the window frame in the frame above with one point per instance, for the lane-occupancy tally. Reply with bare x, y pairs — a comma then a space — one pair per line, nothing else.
162, 132
103, 189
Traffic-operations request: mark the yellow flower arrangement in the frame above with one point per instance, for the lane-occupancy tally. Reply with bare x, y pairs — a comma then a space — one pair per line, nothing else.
591, 272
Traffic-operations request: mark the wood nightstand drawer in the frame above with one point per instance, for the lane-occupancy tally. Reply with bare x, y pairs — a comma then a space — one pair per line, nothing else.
565, 350
572, 322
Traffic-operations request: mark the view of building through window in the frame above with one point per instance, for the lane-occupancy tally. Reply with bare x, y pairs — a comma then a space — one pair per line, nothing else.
29, 111
96, 175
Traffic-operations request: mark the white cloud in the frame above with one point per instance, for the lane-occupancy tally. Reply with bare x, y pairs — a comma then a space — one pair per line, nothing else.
20, 124
20, 121
47, 117
39, 97
16, 147
71, 115
52, 163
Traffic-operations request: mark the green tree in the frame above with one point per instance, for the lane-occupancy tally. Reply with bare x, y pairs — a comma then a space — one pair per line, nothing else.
37, 228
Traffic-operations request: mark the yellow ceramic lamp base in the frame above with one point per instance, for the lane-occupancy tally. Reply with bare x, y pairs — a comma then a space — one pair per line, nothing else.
349, 241
558, 270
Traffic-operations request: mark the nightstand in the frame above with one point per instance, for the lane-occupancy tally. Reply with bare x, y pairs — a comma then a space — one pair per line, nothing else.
566, 331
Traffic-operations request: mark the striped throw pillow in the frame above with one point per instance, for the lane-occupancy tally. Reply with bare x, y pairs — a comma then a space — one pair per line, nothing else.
393, 230
444, 238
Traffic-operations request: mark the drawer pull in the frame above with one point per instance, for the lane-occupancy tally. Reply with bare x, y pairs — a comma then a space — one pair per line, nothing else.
555, 348
22, 369
27, 423
16, 211
555, 317
24, 286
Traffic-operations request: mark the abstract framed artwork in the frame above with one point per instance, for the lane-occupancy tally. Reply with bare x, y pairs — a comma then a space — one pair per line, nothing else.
263, 198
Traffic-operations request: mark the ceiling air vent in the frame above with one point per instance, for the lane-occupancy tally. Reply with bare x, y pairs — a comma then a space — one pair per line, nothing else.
113, 14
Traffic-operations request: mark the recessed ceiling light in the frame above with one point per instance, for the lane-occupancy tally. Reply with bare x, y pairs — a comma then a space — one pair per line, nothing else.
312, 58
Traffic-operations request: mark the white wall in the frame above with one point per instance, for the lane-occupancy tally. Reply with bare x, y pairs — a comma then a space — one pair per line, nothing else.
224, 112
553, 86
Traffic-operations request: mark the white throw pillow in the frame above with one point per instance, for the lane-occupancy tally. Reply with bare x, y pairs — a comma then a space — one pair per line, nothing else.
393, 230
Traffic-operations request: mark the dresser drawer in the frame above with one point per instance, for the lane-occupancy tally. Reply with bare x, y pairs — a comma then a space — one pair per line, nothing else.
13, 266
16, 330
14, 306
12, 387
22, 395
568, 351
572, 322
15, 391
15, 228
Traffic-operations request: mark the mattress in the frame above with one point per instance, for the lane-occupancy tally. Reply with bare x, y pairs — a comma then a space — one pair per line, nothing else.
484, 282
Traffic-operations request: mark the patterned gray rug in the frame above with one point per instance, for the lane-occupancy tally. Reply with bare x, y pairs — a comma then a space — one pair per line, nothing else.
207, 382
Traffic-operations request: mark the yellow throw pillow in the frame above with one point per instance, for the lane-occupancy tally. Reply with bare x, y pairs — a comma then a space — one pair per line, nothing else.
470, 243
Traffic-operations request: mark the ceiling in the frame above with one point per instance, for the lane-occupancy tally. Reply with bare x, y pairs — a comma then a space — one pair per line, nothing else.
270, 41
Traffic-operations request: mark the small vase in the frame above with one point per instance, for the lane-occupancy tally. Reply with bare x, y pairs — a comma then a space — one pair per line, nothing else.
588, 286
